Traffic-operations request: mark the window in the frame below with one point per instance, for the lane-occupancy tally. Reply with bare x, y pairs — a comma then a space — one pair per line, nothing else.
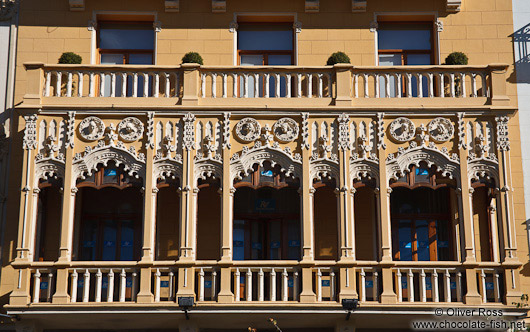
262, 44
125, 43
421, 217
405, 43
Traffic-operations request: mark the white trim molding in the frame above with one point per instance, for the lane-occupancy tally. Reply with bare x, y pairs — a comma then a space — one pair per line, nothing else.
453, 6
172, 6
77, 5
358, 6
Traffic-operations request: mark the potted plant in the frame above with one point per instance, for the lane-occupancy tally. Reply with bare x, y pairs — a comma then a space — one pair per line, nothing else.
338, 57
192, 57
457, 59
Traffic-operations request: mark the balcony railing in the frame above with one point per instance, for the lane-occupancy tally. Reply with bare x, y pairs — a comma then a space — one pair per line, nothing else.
283, 86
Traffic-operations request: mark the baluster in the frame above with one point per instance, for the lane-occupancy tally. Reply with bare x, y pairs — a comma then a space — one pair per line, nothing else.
123, 285
157, 285
496, 287
167, 85
310, 86
320, 86
365, 79
101, 84
157, 85
113, 84
273, 285
135, 85
73, 287
277, 85
201, 285
419, 79
423, 286
295, 286
387, 85
245, 85
436, 295
319, 285
58, 84
261, 286
91, 84
474, 85
355, 86
483, 284
288, 78
99, 278
248, 286
298, 85
86, 286
69, 84
285, 286
485, 89
203, 85
377, 85
447, 286
214, 285
363, 286
431, 85
376, 286
267, 87
256, 85
80, 84
171, 285
459, 287
330, 86
134, 286
237, 283
146, 84
225, 81
441, 84
399, 83
399, 286
110, 286
36, 287
463, 85
50, 286
235, 87
123, 84
47, 84
332, 285
410, 286
408, 79
214, 85
452, 84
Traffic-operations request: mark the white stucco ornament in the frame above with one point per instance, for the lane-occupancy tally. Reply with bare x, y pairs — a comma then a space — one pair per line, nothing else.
248, 129
130, 129
91, 128
285, 130
440, 129
402, 129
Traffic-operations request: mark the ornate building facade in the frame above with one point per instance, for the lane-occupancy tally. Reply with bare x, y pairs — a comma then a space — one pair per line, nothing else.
263, 184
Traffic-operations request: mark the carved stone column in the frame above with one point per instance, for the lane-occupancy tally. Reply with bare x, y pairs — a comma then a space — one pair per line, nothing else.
345, 207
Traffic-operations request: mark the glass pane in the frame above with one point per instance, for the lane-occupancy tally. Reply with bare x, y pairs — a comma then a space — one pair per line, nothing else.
126, 39
88, 246
442, 240
251, 60
109, 241
110, 175
389, 60
260, 37
421, 175
422, 234
140, 59
127, 241
404, 37
239, 240
419, 59
275, 239
405, 240
278, 60
256, 238
293, 239
112, 59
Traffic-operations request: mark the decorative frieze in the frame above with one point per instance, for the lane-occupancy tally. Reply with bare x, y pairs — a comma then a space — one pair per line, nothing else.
189, 132
344, 133
503, 142
30, 132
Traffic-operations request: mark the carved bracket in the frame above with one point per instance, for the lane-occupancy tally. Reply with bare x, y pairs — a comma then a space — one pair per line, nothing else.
172, 6
358, 6
312, 6
77, 5
453, 6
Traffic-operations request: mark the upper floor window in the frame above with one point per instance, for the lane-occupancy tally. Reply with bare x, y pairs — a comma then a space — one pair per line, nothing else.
405, 43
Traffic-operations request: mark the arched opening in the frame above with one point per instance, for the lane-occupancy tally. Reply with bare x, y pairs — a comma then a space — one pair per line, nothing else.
167, 219
485, 220
47, 240
325, 220
109, 207
266, 216
209, 220
422, 219
365, 216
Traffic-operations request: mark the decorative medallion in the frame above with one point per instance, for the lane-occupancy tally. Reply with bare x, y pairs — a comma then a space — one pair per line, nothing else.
248, 129
402, 129
285, 130
440, 129
130, 129
91, 128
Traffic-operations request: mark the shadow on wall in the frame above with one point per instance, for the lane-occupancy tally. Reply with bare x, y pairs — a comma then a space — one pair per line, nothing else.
521, 47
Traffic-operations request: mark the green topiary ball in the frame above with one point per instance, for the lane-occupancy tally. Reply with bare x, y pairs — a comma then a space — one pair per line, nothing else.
192, 57
456, 58
338, 57
70, 58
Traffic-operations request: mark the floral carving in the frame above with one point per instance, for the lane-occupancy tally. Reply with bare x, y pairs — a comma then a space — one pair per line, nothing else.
285, 130
402, 129
30, 132
248, 129
440, 129
130, 129
91, 128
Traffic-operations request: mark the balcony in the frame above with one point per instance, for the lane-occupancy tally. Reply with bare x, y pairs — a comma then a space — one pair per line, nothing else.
286, 87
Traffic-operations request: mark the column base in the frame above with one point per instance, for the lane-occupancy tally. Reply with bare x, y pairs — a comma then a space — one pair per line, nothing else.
308, 297
225, 298
19, 299
60, 298
514, 298
473, 299
388, 298
145, 298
